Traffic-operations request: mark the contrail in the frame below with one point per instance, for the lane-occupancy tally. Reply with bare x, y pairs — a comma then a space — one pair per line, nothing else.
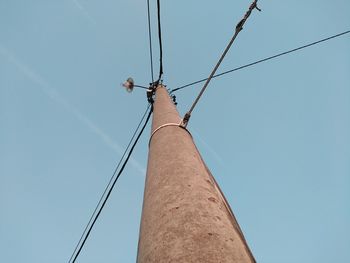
84, 11
54, 95
216, 156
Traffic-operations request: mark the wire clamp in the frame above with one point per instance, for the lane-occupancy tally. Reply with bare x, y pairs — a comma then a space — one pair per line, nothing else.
254, 5
151, 91
150, 94
173, 97
185, 120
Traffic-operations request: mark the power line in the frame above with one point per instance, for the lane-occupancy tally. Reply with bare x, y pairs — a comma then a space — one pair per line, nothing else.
160, 43
239, 28
263, 60
150, 39
110, 181
110, 186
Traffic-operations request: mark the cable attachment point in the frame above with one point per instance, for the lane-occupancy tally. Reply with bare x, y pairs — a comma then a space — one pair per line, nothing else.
150, 96
185, 120
253, 6
151, 91
173, 97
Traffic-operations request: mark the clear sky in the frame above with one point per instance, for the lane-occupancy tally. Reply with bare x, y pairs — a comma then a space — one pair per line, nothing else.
275, 136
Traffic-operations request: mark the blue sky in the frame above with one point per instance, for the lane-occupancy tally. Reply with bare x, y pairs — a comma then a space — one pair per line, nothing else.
275, 136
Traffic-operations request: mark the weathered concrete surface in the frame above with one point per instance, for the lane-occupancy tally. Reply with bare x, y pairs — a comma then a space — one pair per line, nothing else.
185, 217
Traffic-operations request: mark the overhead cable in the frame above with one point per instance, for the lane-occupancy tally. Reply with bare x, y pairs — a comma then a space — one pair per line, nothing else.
160, 43
110, 186
150, 39
239, 27
263, 60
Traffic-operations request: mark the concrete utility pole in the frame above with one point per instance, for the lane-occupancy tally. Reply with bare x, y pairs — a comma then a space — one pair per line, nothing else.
185, 217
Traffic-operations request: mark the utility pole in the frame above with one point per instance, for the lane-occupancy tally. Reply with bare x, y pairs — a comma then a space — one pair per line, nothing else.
185, 216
